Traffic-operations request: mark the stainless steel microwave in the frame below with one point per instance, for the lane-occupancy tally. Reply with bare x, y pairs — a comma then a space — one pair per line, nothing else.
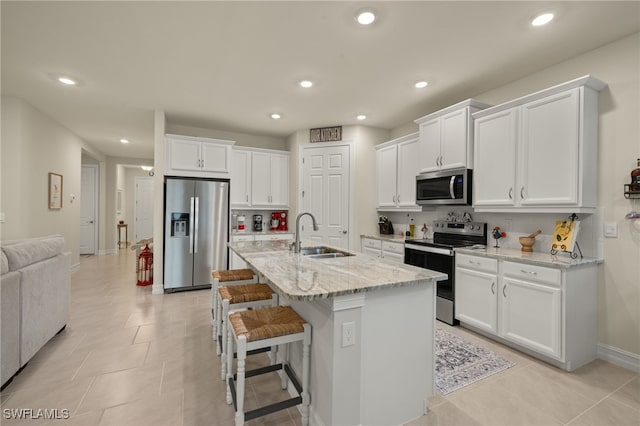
444, 187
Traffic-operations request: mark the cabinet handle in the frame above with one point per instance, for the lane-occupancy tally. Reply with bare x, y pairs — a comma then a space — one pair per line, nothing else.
504, 288
493, 286
522, 192
247, 196
398, 198
394, 199
474, 263
511, 193
528, 272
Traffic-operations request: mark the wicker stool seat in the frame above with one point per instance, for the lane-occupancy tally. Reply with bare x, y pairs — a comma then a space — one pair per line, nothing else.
260, 328
234, 297
230, 277
244, 293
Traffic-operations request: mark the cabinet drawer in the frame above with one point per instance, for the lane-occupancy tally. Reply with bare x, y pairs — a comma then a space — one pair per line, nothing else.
235, 238
476, 263
272, 237
389, 247
371, 243
532, 273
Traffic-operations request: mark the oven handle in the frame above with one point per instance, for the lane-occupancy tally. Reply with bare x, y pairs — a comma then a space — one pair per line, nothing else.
451, 182
437, 250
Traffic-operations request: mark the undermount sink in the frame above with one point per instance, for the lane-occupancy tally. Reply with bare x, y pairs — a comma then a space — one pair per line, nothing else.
323, 252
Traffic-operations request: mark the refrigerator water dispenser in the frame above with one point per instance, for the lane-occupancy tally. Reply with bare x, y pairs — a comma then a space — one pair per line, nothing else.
179, 224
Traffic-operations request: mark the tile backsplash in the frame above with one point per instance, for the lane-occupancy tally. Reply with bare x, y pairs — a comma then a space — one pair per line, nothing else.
590, 236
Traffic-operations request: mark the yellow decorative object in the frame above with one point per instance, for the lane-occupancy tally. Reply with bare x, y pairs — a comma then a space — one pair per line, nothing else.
564, 235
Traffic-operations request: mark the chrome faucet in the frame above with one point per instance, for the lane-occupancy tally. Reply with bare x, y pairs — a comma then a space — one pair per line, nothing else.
296, 244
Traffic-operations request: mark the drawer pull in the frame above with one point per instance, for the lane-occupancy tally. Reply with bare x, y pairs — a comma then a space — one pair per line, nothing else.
504, 288
528, 272
474, 263
493, 286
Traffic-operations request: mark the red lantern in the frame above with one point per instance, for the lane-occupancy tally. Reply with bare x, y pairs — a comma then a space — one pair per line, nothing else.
145, 267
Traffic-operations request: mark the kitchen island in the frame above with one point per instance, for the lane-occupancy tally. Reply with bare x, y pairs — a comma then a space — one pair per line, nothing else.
373, 321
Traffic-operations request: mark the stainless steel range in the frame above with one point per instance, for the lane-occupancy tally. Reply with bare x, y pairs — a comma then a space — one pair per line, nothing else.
439, 255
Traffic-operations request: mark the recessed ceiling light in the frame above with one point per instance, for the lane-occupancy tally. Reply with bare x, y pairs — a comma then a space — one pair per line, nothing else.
275, 116
66, 80
422, 84
125, 141
361, 117
306, 84
366, 17
542, 19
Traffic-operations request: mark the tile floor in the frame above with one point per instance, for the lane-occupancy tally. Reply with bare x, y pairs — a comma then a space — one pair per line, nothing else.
128, 358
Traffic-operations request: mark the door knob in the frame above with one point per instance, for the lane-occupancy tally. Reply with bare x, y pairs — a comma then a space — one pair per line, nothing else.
343, 231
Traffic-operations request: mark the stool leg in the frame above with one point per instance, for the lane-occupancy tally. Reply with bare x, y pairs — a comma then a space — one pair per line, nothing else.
225, 342
214, 303
284, 359
229, 363
305, 374
273, 353
240, 370
219, 331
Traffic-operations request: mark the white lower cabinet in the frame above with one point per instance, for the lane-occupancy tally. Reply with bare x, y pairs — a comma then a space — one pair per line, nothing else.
530, 315
390, 250
371, 246
273, 237
235, 261
548, 312
393, 251
476, 288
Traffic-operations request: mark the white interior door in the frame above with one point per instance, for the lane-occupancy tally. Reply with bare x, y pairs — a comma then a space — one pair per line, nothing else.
144, 208
88, 209
325, 184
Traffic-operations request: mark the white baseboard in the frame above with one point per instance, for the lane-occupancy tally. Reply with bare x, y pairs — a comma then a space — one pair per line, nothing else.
619, 357
108, 251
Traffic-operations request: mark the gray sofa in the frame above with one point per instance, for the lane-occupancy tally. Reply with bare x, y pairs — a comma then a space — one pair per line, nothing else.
35, 295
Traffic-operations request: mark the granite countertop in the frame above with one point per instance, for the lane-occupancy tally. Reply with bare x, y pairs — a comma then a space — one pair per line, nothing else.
251, 232
558, 261
395, 238
303, 278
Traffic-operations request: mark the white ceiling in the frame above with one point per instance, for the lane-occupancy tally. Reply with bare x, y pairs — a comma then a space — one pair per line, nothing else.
229, 65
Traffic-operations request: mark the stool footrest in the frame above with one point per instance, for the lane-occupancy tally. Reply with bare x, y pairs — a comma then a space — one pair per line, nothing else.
268, 409
272, 408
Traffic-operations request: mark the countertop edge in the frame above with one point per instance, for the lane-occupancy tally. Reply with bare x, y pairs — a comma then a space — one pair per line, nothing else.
558, 261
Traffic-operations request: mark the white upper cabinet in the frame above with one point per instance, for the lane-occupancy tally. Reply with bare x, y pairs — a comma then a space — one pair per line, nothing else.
240, 178
197, 157
446, 137
539, 153
397, 164
260, 179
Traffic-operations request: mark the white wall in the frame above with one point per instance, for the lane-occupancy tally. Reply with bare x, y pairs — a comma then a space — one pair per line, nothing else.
618, 64
32, 146
364, 140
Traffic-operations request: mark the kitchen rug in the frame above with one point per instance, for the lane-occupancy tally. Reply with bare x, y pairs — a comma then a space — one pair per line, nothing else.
460, 363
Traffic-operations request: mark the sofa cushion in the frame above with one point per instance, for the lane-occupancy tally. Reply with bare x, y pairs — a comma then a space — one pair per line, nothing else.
4, 263
10, 325
27, 252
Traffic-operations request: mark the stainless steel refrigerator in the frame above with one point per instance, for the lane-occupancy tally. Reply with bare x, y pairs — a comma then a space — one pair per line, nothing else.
196, 231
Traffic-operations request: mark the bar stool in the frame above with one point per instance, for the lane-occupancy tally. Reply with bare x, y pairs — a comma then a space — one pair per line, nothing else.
236, 297
230, 277
279, 325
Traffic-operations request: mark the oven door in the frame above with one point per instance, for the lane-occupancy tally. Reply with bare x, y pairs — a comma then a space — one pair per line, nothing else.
441, 260
436, 259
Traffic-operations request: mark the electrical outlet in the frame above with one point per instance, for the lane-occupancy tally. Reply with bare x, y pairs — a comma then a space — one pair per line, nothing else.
611, 230
348, 334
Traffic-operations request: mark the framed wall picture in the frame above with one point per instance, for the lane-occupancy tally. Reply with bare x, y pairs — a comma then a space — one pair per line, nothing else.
55, 191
